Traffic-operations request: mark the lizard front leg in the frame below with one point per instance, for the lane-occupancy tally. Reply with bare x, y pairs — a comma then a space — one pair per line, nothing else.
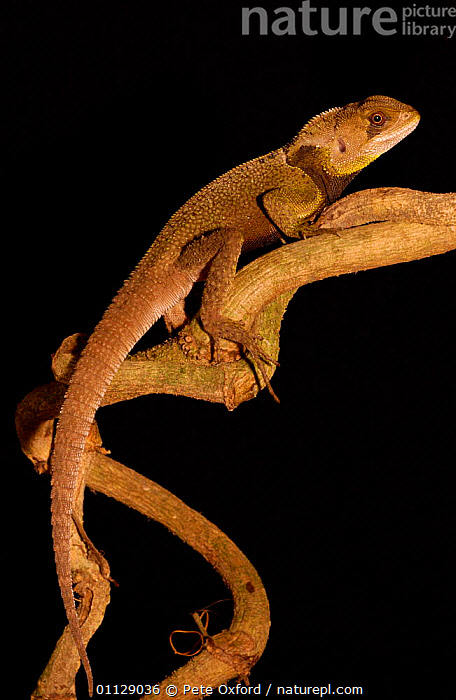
292, 209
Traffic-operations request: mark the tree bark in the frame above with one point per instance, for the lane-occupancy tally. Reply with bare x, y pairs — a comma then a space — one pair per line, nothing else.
418, 225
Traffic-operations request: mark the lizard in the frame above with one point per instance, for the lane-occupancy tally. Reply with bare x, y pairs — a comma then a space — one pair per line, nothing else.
275, 197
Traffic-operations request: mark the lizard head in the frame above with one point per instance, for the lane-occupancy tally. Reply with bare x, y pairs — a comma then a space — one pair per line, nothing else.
346, 139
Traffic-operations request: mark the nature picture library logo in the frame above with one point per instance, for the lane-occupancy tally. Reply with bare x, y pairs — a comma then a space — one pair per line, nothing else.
409, 20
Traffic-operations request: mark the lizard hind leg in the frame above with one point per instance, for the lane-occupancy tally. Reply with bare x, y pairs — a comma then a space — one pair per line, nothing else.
219, 279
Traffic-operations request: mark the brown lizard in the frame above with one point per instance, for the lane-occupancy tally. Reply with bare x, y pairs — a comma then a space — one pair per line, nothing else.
275, 196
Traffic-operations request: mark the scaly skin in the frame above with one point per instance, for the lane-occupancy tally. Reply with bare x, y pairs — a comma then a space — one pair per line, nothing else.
271, 197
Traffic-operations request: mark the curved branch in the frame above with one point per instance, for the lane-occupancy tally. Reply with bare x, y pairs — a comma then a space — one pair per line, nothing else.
390, 204
328, 255
258, 298
233, 652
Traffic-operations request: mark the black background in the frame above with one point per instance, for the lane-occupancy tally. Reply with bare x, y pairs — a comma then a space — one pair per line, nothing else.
112, 115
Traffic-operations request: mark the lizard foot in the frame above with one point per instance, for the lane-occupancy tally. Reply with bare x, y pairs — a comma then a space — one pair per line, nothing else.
308, 230
221, 343
335, 231
225, 328
197, 346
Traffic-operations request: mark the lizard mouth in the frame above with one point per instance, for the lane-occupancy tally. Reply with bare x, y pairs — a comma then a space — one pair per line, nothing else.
388, 140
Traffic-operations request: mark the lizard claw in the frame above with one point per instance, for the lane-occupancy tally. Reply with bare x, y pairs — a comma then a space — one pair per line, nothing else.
222, 327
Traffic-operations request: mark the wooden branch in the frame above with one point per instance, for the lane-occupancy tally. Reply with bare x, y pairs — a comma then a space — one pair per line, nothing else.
390, 204
227, 655
262, 290
233, 652
93, 590
258, 298
328, 255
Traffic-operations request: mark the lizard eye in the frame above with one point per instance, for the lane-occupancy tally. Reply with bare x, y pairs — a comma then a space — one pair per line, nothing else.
377, 118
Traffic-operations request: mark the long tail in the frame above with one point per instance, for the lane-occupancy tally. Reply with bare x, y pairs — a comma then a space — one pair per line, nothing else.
140, 302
